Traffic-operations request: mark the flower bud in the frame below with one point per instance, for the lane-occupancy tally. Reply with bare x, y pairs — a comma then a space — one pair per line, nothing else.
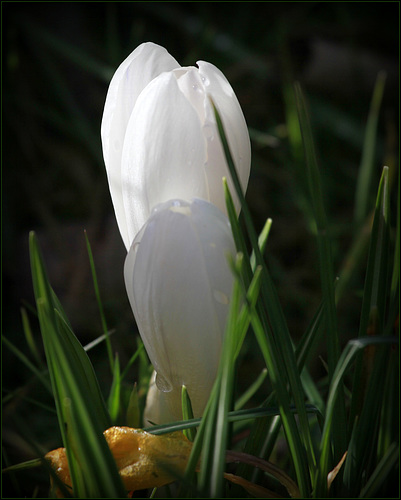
160, 138
179, 285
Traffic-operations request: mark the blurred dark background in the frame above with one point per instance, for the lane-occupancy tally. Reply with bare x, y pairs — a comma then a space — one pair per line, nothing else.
58, 59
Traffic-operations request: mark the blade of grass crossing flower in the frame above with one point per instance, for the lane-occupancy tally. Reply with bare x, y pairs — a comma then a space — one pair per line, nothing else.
326, 268
274, 323
238, 235
226, 390
233, 416
215, 424
99, 303
366, 169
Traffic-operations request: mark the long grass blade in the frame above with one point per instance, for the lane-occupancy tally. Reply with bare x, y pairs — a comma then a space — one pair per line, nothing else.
326, 267
366, 169
99, 303
375, 289
278, 342
80, 407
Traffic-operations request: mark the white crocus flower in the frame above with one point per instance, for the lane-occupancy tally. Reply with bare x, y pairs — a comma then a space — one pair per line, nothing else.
179, 286
160, 138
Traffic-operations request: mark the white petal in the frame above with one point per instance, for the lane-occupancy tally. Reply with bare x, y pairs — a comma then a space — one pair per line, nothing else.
218, 87
179, 285
144, 64
161, 407
164, 152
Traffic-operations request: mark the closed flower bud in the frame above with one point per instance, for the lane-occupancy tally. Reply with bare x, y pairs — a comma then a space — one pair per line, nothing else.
179, 285
160, 138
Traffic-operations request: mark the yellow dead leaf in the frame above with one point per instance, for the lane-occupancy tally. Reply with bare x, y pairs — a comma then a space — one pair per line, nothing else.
144, 460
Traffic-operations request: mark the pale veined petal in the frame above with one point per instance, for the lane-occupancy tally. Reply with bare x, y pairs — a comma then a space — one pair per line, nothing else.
179, 285
144, 64
218, 88
164, 152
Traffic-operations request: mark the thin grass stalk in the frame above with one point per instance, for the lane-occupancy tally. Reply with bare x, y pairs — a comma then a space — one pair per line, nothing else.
99, 303
40, 374
366, 168
233, 416
115, 390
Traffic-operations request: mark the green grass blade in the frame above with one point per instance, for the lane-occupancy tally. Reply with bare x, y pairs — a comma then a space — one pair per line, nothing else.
380, 474
226, 391
369, 382
21, 356
99, 303
343, 365
274, 323
98, 474
233, 416
395, 279
363, 446
284, 404
354, 257
187, 413
80, 407
113, 402
140, 351
133, 416
30, 338
251, 391
375, 289
366, 170
325, 265
262, 241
